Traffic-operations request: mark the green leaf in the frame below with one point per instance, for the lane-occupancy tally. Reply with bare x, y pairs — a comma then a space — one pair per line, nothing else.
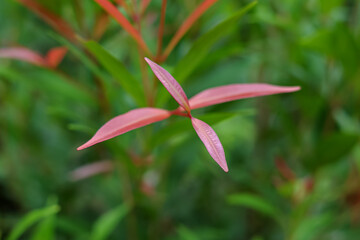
110, 91
329, 5
202, 46
346, 52
254, 202
81, 128
311, 227
118, 71
82, 57
106, 224
31, 219
186, 234
331, 149
50, 83
73, 227
45, 229
200, 49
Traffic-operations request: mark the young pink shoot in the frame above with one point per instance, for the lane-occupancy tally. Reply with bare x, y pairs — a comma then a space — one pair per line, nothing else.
126, 122
23, 54
144, 116
204, 131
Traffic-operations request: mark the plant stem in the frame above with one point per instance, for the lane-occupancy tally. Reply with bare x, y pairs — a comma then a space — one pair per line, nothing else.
187, 24
123, 4
180, 113
161, 29
129, 199
134, 5
144, 5
145, 79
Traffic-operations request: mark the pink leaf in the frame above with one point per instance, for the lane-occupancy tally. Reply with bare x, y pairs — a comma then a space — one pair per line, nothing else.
211, 142
234, 92
55, 56
170, 84
126, 122
24, 54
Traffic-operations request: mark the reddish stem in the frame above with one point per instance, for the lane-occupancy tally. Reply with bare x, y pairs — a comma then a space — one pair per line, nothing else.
161, 28
123, 4
120, 18
144, 5
194, 16
52, 19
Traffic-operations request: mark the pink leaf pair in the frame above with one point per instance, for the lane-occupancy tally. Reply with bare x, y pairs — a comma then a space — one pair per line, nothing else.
144, 116
51, 60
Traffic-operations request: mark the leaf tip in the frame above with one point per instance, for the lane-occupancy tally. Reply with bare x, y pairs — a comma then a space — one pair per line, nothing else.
147, 60
86, 145
82, 147
296, 88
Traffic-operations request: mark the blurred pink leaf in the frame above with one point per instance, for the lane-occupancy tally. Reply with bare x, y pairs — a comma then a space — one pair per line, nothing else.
23, 54
126, 122
211, 142
91, 169
55, 56
170, 84
233, 92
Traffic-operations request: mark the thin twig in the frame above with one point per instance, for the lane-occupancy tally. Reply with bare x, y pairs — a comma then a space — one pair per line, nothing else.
121, 19
187, 24
144, 6
52, 19
123, 4
161, 28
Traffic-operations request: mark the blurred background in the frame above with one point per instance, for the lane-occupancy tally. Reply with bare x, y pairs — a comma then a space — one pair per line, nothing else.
294, 159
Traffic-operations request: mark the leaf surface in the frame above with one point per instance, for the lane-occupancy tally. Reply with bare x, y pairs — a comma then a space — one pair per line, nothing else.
255, 202
202, 46
170, 84
23, 54
233, 92
199, 51
30, 219
106, 224
118, 70
211, 142
126, 122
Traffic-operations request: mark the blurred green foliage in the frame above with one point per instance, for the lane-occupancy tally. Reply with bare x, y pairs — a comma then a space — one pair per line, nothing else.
294, 159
